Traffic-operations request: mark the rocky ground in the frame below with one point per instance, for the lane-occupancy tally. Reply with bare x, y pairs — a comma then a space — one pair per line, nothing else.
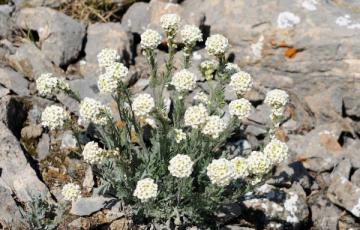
310, 48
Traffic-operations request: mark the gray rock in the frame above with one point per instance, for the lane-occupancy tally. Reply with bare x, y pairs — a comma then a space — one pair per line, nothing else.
14, 81
355, 178
13, 113
85, 206
352, 106
68, 141
88, 182
342, 169
345, 194
4, 91
24, 183
35, 3
10, 216
261, 115
61, 37
31, 132
5, 25
131, 18
43, 147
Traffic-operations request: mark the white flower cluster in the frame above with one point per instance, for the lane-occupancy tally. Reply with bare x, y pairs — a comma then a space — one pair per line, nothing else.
47, 85
240, 108
191, 34
277, 99
220, 171
241, 82
107, 57
183, 80
196, 116
54, 117
107, 83
170, 22
202, 98
143, 104
181, 166
214, 126
117, 70
93, 111
150, 39
93, 154
258, 163
276, 151
240, 167
71, 192
207, 68
217, 45
146, 189
179, 135
231, 68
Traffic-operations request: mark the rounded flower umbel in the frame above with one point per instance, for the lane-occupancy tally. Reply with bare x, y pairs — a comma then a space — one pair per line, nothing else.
258, 163
93, 111
181, 166
143, 104
277, 100
117, 70
217, 45
146, 189
179, 135
241, 82
48, 85
196, 116
241, 108
183, 81
220, 172
107, 57
107, 83
202, 98
214, 126
170, 23
240, 167
208, 68
150, 39
276, 151
93, 154
231, 68
190, 34
55, 117
71, 192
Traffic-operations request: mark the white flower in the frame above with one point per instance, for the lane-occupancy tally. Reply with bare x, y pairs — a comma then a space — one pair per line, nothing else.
181, 166
146, 189
71, 192
107, 57
276, 151
150, 39
117, 70
276, 98
240, 108
196, 116
220, 172
241, 82
191, 34
170, 22
46, 84
183, 81
202, 98
231, 68
54, 117
93, 111
217, 45
240, 167
143, 104
258, 163
214, 126
92, 153
207, 68
179, 135
107, 83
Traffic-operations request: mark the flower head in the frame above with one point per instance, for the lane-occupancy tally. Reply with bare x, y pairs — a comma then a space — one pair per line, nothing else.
241, 82
54, 117
179, 135
258, 163
107, 57
276, 98
146, 189
240, 108
150, 39
107, 83
117, 70
181, 166
231, 68
184, 80
217, 45
214, 126
92, 153
276, 151
93, 111
143, 104
220, 172
71, 192
170, 23
240, 167
202, 98
196, 116
207, 68
46, 84
191, 34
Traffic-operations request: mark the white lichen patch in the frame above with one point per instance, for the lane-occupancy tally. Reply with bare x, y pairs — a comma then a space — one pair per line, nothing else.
356, 209
257, 48
346, 21
287, 20
309, 5
291, 207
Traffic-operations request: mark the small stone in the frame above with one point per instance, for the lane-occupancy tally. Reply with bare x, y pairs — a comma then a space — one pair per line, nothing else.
355, 178
43, 147
88, 182
14, 81
86, 206
342, 169
68, 141
31, 132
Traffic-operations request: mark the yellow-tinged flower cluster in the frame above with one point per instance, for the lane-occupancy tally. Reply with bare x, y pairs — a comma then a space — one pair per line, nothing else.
241, 82
93, 154
184, 81
146, 189
181, 166
48, 85
221, 172
179, 135
258, 163
276, 151
277, 100
202, 98
54, 117
107, 57
93, 111
214, 126
143, 104
241, 108
196, 116
71, 192
217, 45
240, 167
150, 39
190, 34
170, 22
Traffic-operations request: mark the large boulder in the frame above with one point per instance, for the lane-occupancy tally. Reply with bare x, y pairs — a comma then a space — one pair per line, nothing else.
14, 81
